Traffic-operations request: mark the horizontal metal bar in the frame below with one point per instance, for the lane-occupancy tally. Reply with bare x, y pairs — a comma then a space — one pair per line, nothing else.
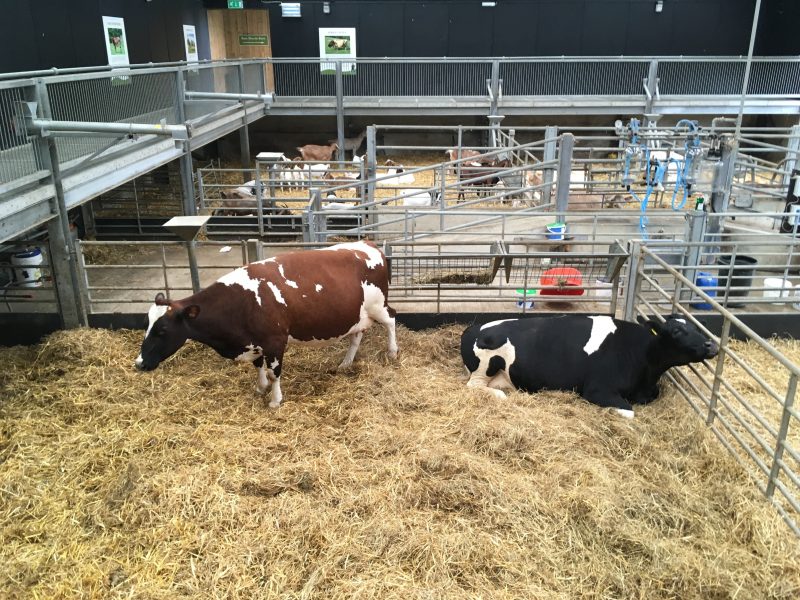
45, 126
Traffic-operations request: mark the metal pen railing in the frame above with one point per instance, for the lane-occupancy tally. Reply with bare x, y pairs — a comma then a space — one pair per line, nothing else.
747, 401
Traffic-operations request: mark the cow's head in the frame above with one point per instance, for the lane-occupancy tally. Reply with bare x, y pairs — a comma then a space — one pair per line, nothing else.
681, 340
167, 330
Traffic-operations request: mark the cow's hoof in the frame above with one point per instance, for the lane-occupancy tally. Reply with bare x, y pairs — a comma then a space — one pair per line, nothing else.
261, 389
393, 354
499, 394
274, 404
628, 414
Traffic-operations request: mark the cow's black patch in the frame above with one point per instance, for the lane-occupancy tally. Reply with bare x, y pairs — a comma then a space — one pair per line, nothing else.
496, 364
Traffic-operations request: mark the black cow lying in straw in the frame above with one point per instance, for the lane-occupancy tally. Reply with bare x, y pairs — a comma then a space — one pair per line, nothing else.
611, 363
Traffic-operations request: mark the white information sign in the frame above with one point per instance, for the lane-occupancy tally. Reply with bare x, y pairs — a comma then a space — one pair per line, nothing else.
337, 42
116, 41
190, 43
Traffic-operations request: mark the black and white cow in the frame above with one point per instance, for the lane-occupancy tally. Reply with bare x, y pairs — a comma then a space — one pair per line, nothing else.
611, 363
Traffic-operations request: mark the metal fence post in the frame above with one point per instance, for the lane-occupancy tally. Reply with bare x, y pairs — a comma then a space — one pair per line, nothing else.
340, 112
721, 191
550, 137
723, 348
442, 191
259, 202
244, 131
694, 232
782, 431
565, 147
792, 154
633, 280
371, 170
62, 252
651, 87
185, 161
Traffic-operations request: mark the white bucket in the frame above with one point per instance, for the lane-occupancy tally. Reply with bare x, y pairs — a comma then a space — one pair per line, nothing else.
777, 287
26, 267
604, 289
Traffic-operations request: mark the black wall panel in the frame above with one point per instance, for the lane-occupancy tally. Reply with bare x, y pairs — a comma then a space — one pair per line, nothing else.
39, 34
46, 33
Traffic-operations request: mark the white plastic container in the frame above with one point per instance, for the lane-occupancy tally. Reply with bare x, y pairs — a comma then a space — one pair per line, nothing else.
777, 287
604, 289
27, 270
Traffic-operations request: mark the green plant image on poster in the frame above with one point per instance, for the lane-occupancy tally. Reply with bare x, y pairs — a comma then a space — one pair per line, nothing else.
116, 40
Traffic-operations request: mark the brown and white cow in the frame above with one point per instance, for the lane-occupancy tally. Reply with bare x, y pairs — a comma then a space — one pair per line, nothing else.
252, 313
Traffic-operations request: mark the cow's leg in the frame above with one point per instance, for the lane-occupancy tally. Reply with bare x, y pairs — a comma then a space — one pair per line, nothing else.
482, 382
269, 373
609, 399
355, 342
385, 316
262, 385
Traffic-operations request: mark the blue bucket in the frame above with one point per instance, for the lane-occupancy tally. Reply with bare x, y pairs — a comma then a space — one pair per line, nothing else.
555, 231
705, 280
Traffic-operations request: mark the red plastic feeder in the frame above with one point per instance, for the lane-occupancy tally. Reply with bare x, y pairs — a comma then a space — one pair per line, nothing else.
561, 281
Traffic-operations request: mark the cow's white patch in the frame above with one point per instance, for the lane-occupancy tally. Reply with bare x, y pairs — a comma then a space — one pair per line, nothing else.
276, 292
289, 282
139, 360
274, 364
250, 354
304, 296
680, 321
500, 380
493, 323
602, 327
241, 277
318, 287
374, 256
628, 414
154, 314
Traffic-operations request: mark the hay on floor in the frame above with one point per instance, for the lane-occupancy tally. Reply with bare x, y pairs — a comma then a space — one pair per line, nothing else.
390, 480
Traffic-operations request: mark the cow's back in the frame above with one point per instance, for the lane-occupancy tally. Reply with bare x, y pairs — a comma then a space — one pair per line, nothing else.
555, 352
323, 291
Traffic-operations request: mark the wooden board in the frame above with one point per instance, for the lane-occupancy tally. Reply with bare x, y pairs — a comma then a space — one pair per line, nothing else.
224, 28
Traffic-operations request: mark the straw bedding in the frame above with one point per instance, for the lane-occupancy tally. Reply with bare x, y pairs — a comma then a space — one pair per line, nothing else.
391, 480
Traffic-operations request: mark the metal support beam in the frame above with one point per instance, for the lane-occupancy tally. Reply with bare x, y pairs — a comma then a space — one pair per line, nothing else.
191, 246
187, 183
792, 154
339, 112
244, 132
63, 255
565, 147
651, 87
241, 97
45, 127
749, 62
371, 171
694, 232
550, 144
721, 187
633, 281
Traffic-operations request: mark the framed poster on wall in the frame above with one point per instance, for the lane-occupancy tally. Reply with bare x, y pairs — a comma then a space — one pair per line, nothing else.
337, 42
116, 41
190, 43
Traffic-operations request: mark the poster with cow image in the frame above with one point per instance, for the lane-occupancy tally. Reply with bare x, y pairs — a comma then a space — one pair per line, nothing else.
116, 41
190, 43
337, 42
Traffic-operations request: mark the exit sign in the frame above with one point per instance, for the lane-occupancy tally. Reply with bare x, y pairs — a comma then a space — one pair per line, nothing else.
235, 3
248, 39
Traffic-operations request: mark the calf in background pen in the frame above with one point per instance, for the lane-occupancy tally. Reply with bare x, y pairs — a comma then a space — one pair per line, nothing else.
489, 177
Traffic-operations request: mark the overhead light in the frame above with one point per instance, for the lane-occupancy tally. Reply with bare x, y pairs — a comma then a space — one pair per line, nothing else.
489, 4
659, 5
290, 9
326, 8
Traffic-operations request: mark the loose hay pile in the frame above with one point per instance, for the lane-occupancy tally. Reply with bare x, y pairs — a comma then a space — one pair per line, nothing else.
391, 480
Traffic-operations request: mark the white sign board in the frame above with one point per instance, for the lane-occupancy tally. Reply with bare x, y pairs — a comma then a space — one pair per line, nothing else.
116, 41
337, 42
190, 43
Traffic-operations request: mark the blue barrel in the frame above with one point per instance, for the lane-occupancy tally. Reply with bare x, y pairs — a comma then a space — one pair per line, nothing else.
705, 280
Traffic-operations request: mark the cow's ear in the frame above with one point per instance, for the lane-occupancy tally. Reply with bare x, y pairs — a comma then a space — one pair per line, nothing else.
161, 300
191, 312
653, 325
